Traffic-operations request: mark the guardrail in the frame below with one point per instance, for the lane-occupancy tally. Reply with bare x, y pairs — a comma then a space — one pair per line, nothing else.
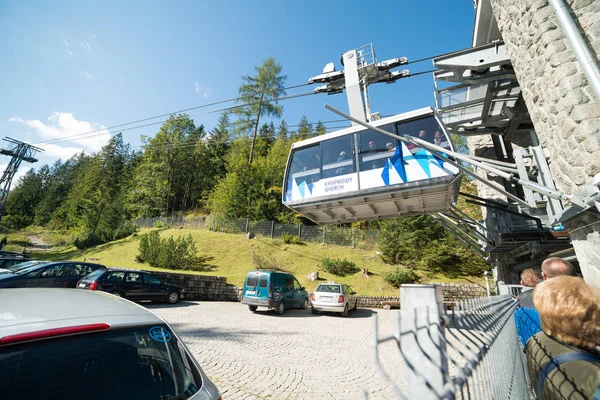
467, 351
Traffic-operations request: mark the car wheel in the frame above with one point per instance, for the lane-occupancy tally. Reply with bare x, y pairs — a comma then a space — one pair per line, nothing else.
280, 308
345, 312
173, 297
305, 304
313, 310
118, 293
252, 308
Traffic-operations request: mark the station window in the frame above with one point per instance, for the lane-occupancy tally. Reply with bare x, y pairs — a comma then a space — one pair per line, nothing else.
427, 129
375, 148
338, 156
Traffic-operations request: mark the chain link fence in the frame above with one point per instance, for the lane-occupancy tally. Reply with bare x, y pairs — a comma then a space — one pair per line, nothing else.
341, 236
466, 350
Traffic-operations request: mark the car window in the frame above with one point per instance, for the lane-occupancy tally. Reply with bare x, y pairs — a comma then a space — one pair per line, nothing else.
95, 275
115, 277
263, 281
65, 270
133, 277
51, 270
252, 280
82, 269
145, 362
151, 279
349, 289
328, 288
297, 285
289, 283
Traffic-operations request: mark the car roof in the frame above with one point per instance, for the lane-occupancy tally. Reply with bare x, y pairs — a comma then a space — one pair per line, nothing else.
35, 309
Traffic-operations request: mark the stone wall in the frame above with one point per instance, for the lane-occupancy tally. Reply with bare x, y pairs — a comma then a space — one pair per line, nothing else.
201, 287
563, 108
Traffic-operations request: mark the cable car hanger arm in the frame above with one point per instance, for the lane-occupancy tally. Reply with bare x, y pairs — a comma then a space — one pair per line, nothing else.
438, 151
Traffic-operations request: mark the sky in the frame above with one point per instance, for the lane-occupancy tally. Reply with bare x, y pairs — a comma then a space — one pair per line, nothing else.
71, 67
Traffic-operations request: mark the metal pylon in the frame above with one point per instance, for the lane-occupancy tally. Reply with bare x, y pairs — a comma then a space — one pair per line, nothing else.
19, 151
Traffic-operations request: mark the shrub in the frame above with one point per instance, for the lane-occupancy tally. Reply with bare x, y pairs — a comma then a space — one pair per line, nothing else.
291, 239
168, 253
87, 240
338, 267
401, 276
124, 230
160, 224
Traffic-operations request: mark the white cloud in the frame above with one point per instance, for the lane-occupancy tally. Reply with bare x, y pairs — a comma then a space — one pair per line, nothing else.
93, 37
201, 90
85, 45
64, 125
68, 54
87, 74
53, 150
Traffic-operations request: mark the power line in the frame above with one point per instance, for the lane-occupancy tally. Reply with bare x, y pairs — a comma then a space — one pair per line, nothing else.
158, 116
104, 131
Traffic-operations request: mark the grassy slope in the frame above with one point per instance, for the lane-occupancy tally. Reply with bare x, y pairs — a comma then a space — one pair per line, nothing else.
231, 256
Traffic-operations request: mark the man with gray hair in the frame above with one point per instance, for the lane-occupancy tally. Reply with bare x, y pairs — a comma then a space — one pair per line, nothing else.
555, 266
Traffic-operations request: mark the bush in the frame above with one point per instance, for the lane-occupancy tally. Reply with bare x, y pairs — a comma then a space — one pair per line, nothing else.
124, 230
338, 267
160, 224
401, 276
87, 240
90, 239
291, 239
168, 253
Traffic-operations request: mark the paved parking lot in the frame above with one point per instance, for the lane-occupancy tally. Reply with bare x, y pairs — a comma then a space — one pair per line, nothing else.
296, 355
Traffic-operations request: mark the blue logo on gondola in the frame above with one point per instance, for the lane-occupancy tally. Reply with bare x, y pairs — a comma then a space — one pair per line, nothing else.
160, 334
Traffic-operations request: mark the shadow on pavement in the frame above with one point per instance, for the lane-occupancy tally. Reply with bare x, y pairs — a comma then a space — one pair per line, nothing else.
181, 304
295, 313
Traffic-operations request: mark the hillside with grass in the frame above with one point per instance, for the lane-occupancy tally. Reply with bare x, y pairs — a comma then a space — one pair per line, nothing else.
232, 256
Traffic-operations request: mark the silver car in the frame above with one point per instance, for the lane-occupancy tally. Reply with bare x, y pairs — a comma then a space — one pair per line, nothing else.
333, 297
79, 344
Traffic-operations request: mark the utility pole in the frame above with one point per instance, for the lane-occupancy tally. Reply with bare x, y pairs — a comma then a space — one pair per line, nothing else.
19, 151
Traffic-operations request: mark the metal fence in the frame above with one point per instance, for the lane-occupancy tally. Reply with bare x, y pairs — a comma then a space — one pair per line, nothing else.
466, 350
340, 236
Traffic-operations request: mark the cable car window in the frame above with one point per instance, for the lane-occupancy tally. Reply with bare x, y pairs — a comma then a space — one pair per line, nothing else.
427, 129
338, 157
305, 166
375, 148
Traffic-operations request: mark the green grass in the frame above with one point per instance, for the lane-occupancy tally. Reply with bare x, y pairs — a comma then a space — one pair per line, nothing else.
230, 255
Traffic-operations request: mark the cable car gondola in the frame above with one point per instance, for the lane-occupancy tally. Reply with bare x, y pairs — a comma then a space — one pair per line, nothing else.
358, 174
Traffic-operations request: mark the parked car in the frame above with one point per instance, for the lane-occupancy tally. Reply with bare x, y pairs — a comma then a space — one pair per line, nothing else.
9, 258
131, 284
63, 274
21, 266
333, 297
80, 344
274, 290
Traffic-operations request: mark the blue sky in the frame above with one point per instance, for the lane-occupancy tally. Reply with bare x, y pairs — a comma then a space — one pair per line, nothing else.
71, 66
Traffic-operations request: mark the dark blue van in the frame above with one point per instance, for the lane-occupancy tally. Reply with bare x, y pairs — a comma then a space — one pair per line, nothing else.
274, 290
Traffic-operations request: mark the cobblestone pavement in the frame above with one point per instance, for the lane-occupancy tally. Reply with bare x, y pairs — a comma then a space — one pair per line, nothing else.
293, 356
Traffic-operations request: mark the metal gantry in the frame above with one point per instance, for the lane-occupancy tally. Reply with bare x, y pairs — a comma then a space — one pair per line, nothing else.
19, 151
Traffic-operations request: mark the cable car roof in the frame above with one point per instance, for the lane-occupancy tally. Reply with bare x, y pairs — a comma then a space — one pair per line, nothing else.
421, 112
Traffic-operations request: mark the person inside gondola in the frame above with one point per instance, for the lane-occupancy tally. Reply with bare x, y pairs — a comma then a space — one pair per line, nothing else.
341, 170
439, 140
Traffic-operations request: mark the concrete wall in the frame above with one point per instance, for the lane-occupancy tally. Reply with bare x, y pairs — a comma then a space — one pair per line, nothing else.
563, 108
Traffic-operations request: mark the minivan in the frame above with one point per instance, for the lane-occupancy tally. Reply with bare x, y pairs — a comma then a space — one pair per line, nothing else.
274, 290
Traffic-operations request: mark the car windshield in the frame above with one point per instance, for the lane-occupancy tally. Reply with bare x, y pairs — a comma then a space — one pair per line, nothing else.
146, 362
328, 288
26, 270
24, 265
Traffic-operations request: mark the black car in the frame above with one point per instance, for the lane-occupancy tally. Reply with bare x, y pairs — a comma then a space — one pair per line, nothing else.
131, 284
51, 274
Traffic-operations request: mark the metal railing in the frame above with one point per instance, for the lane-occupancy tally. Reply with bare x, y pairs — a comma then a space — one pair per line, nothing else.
467, 351
325, 234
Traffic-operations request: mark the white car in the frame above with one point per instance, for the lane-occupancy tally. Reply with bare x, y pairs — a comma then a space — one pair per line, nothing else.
333, 297
80, 344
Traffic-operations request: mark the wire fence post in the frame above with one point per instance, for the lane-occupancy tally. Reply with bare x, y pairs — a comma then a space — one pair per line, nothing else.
420, 312
272, 229
247, 224
324, 228
299, 231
